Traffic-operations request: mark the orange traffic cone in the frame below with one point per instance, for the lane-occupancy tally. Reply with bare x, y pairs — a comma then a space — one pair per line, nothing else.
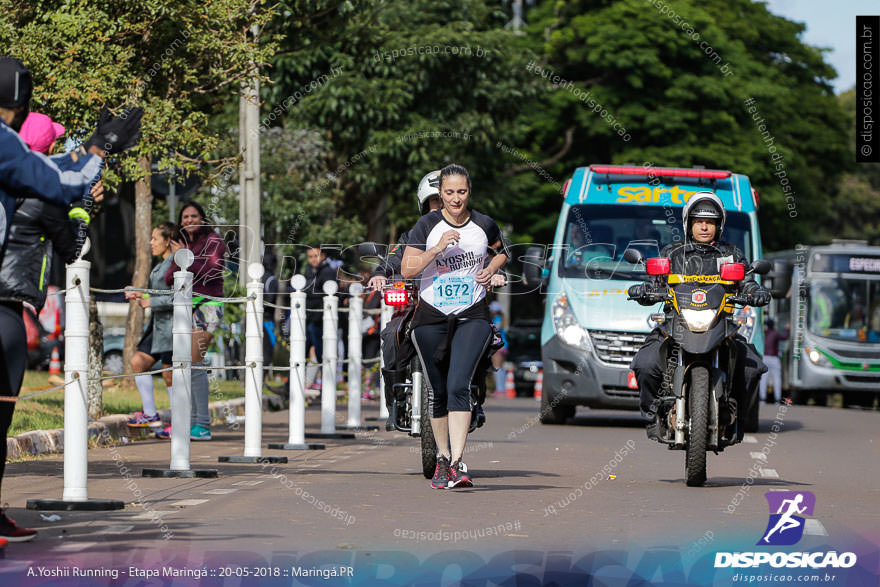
539, 384
509, 385
55, 362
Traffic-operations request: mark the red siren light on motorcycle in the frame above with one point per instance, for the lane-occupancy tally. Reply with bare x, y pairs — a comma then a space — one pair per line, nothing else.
733, 271
657, 266
396, 297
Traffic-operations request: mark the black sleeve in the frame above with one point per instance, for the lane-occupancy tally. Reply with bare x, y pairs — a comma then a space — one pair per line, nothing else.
60, 230
394, 259
493, 235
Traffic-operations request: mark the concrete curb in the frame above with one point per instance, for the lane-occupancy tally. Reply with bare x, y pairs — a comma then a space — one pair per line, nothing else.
40, 442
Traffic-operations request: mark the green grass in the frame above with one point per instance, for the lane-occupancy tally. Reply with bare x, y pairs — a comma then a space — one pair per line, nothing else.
46, 411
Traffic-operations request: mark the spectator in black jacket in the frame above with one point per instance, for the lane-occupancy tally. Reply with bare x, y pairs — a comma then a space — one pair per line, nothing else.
319, 272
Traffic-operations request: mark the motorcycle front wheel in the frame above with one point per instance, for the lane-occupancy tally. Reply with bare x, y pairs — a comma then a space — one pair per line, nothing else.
698, 402
429, 446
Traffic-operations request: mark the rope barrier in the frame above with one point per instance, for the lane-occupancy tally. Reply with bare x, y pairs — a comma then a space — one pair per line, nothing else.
41, 392
158, 292
238, 300
123, 375
76, 283
280, 307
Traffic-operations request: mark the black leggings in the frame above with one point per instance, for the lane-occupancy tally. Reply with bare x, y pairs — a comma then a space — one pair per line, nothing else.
13, 362
449, 382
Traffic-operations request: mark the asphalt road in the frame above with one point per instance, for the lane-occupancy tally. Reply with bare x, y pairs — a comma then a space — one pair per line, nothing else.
596, 484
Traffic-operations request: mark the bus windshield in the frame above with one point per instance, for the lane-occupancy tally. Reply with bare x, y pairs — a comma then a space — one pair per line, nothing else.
597, 235
845, 309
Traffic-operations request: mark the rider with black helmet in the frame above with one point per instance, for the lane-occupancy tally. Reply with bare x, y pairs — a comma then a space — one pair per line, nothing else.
701, 253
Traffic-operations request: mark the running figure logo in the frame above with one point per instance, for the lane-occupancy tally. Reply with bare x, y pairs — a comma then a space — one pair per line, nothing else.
786, 526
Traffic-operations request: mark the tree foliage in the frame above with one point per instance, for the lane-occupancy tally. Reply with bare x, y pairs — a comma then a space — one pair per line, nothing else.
680, 91
179, 60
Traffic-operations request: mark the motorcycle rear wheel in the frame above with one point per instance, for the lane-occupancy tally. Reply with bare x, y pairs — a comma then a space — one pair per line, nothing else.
429, 445
698, 400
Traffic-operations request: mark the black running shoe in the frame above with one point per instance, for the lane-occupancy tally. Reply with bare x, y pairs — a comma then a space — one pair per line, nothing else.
441, 473
458, 475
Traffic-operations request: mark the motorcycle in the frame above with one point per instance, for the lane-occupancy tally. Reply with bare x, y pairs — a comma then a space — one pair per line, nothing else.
409, 392
698, 408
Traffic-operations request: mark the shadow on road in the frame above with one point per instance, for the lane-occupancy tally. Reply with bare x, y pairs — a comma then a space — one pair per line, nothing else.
739, 481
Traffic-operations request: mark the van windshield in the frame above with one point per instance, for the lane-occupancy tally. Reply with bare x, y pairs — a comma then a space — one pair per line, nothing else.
597, 235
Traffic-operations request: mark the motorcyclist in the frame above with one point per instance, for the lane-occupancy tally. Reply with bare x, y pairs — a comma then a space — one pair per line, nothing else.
701, 253
428, 196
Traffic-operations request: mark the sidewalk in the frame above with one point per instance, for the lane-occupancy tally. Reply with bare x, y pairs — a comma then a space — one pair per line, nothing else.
44, 442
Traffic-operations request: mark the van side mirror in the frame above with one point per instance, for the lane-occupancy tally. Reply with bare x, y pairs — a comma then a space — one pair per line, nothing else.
533, 265
633, 256
779, 278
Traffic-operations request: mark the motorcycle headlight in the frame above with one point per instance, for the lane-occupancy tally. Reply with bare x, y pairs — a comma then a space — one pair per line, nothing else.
817, 357
698, 320
746, 318
567, 327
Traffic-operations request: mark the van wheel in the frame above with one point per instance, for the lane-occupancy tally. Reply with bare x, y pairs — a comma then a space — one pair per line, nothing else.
554, 414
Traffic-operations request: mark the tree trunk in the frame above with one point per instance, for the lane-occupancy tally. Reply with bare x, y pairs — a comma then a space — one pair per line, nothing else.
143, 226
96, 362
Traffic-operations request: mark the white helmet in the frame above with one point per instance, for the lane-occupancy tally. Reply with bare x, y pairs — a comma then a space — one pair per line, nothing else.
704, 205
429, 186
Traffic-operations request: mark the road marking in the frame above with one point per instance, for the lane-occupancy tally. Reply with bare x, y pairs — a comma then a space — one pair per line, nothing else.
220, 491
758, 456
749, 439
188, 502
769, 473
154, 514
75, 546
247, 483
814, 527
116, 529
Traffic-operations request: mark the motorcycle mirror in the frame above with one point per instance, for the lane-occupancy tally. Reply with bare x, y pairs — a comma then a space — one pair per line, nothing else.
633, 256
533, 265
760, 267
369, 249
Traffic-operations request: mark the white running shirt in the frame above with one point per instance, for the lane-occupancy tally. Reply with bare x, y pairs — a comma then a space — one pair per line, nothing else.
449, 281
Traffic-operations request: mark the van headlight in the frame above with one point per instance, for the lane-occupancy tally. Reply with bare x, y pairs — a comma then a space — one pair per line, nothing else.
698, 320
567, 327
746, 318
817, 357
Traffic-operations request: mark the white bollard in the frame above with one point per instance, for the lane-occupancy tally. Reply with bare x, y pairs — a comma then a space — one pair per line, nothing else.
75, 495
76, 378
297, 361
328, 377
355, 354
181, 357
385, 318
253, 358
296, 439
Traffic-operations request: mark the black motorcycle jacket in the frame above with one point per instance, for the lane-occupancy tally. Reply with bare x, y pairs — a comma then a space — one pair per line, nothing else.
26, 264
693, 258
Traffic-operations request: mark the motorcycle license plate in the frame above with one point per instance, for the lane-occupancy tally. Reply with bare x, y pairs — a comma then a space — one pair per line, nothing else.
453, 290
